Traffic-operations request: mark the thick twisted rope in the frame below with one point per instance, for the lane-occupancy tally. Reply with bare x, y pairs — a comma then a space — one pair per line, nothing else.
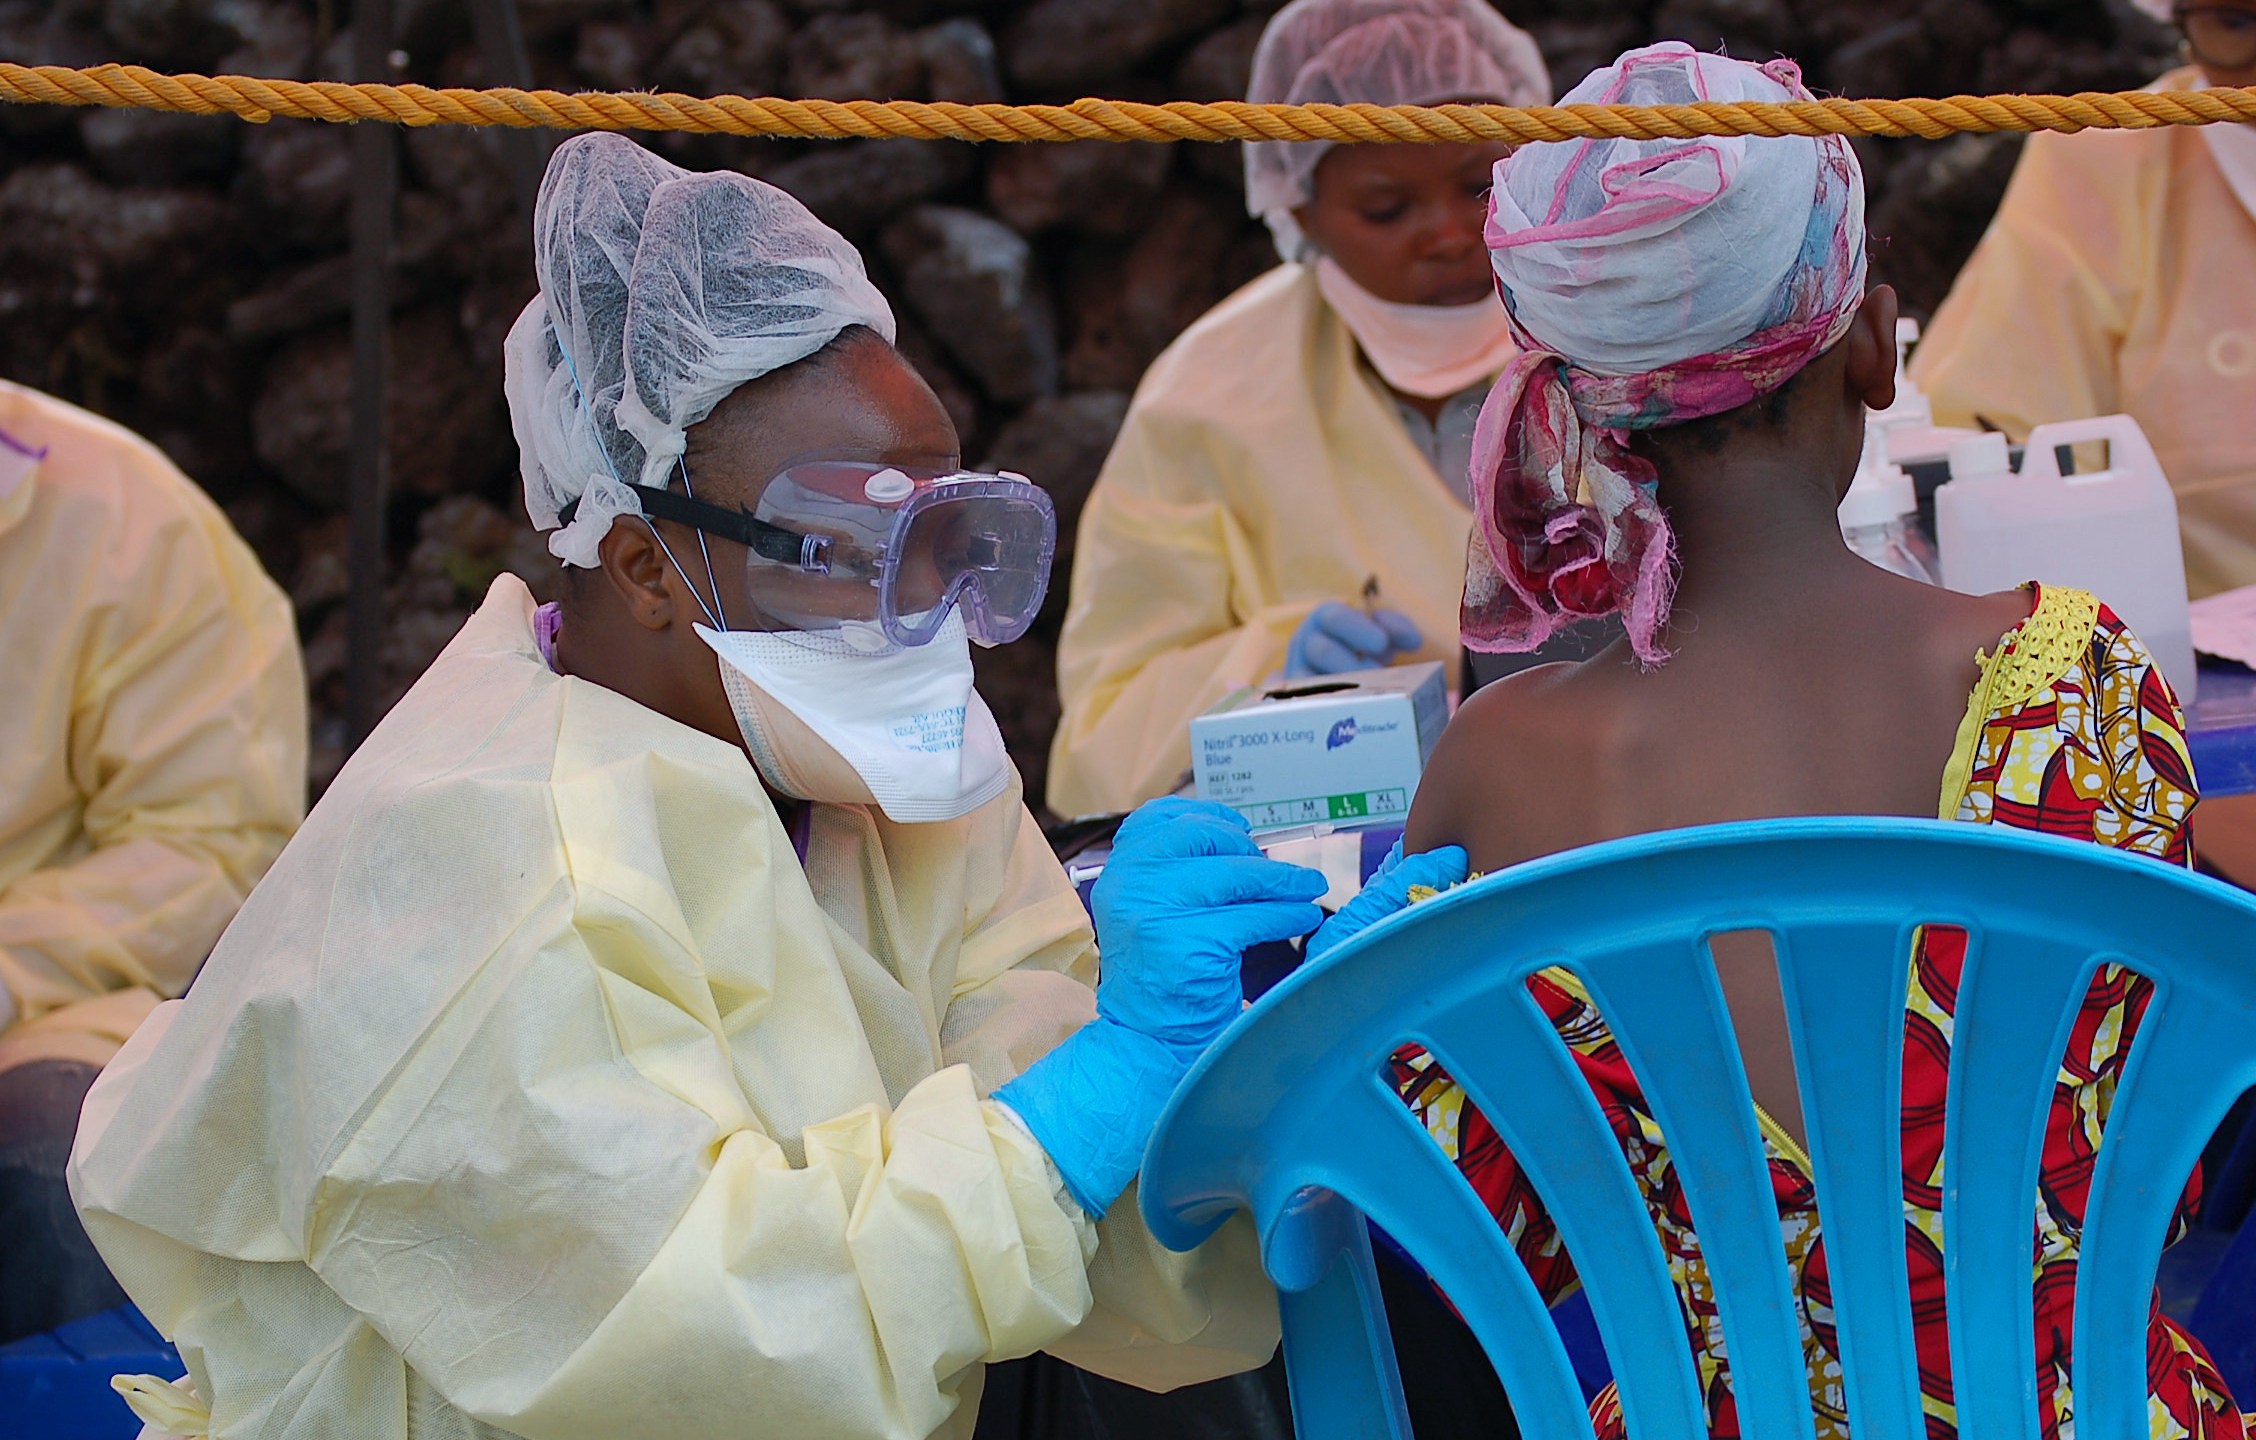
256, 100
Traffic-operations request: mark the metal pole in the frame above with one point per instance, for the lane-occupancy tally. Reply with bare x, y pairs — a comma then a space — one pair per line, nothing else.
375, 177
502, 41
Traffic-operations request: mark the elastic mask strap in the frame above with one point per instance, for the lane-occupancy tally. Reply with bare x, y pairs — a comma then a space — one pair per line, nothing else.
681, 463
718, 623
579, 395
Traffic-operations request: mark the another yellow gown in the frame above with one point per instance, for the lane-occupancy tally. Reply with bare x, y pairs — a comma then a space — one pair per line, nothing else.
152, 729
2120, 276
1263, 469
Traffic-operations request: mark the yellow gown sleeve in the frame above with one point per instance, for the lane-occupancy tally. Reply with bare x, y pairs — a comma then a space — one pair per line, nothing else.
614, 1249
2031, 331
570, 1215
187, 750
1167, 617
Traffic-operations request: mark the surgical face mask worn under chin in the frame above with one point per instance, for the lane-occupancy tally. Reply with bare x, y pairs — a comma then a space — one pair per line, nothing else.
905, 719
1429, 351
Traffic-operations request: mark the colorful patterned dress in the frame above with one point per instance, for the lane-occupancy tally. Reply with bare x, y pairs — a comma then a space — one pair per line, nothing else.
2072, 731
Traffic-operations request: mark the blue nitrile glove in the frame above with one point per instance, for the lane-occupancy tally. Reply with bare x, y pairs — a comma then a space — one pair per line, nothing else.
1337, 638
1184, 895
1093, 1103
1388, 890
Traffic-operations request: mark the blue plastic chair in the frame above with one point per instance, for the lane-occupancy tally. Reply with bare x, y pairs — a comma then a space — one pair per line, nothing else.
57, 1386
1290, 1118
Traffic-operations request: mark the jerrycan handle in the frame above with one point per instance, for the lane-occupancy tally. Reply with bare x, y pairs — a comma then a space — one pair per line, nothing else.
2127, 446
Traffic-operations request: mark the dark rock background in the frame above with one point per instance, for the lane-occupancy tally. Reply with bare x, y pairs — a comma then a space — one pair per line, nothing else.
187, 276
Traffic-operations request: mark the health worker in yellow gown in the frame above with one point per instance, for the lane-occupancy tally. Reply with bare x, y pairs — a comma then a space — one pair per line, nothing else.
152, 763
1287, 494
669, 1023
2120, 276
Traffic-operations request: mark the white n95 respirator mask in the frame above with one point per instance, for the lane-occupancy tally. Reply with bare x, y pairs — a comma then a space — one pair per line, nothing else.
844, 717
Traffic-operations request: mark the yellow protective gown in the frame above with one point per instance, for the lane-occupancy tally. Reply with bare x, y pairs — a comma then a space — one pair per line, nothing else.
1263, 469
542, 1087
152, 735
2119, 276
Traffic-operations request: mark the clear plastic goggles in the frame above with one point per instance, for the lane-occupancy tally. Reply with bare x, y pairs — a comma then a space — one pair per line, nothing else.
838, 544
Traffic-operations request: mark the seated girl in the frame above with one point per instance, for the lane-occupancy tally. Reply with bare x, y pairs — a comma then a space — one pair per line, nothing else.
1699, 352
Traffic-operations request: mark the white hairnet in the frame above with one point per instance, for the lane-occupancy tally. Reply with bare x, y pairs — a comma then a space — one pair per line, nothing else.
661, 291
1374, 52
2159, 9
1631, 255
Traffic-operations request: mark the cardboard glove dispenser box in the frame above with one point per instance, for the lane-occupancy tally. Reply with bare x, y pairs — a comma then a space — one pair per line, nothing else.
1329, 750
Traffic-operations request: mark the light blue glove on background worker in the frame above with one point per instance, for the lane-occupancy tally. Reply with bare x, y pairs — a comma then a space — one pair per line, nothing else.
1388, 890
1337, 638
1184, 896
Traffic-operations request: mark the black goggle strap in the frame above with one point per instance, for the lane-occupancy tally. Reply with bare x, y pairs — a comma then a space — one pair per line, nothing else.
770, 542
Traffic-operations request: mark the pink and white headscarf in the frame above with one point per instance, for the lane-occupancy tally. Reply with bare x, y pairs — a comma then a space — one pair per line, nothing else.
1649, 283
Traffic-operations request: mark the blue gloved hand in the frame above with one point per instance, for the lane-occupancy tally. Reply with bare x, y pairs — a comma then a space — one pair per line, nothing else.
1388, 890
1338, 638
1184, 895
1093, 1103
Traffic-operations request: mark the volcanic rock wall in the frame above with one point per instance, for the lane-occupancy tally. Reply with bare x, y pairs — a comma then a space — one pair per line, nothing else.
188, 276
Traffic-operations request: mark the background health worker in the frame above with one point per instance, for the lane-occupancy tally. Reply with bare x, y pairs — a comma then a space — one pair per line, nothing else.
2120, 276
1310, 435
670, 1022
152, 763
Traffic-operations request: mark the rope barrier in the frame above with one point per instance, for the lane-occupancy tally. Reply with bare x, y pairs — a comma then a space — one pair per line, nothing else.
257, 100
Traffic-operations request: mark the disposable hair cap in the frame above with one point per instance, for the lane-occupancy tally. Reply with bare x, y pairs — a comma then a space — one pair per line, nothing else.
1374, 52
661, 291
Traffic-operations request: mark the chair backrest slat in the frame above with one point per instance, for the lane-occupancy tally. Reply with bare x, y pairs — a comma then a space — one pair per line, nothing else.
1843, 983
1666, 1010
2189, 1065
1433, 1213
2017, 1000
1502, 1048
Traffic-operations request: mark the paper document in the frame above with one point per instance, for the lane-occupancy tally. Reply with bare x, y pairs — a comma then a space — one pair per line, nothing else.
2225, 625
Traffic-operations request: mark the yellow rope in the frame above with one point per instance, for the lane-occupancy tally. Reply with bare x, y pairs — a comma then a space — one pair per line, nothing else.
256, 100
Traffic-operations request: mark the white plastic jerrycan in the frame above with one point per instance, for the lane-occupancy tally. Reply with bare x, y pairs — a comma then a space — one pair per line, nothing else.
1880, 515
2113, 532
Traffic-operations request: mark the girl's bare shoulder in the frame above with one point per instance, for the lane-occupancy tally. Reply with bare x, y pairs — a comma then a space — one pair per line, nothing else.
1513, 752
